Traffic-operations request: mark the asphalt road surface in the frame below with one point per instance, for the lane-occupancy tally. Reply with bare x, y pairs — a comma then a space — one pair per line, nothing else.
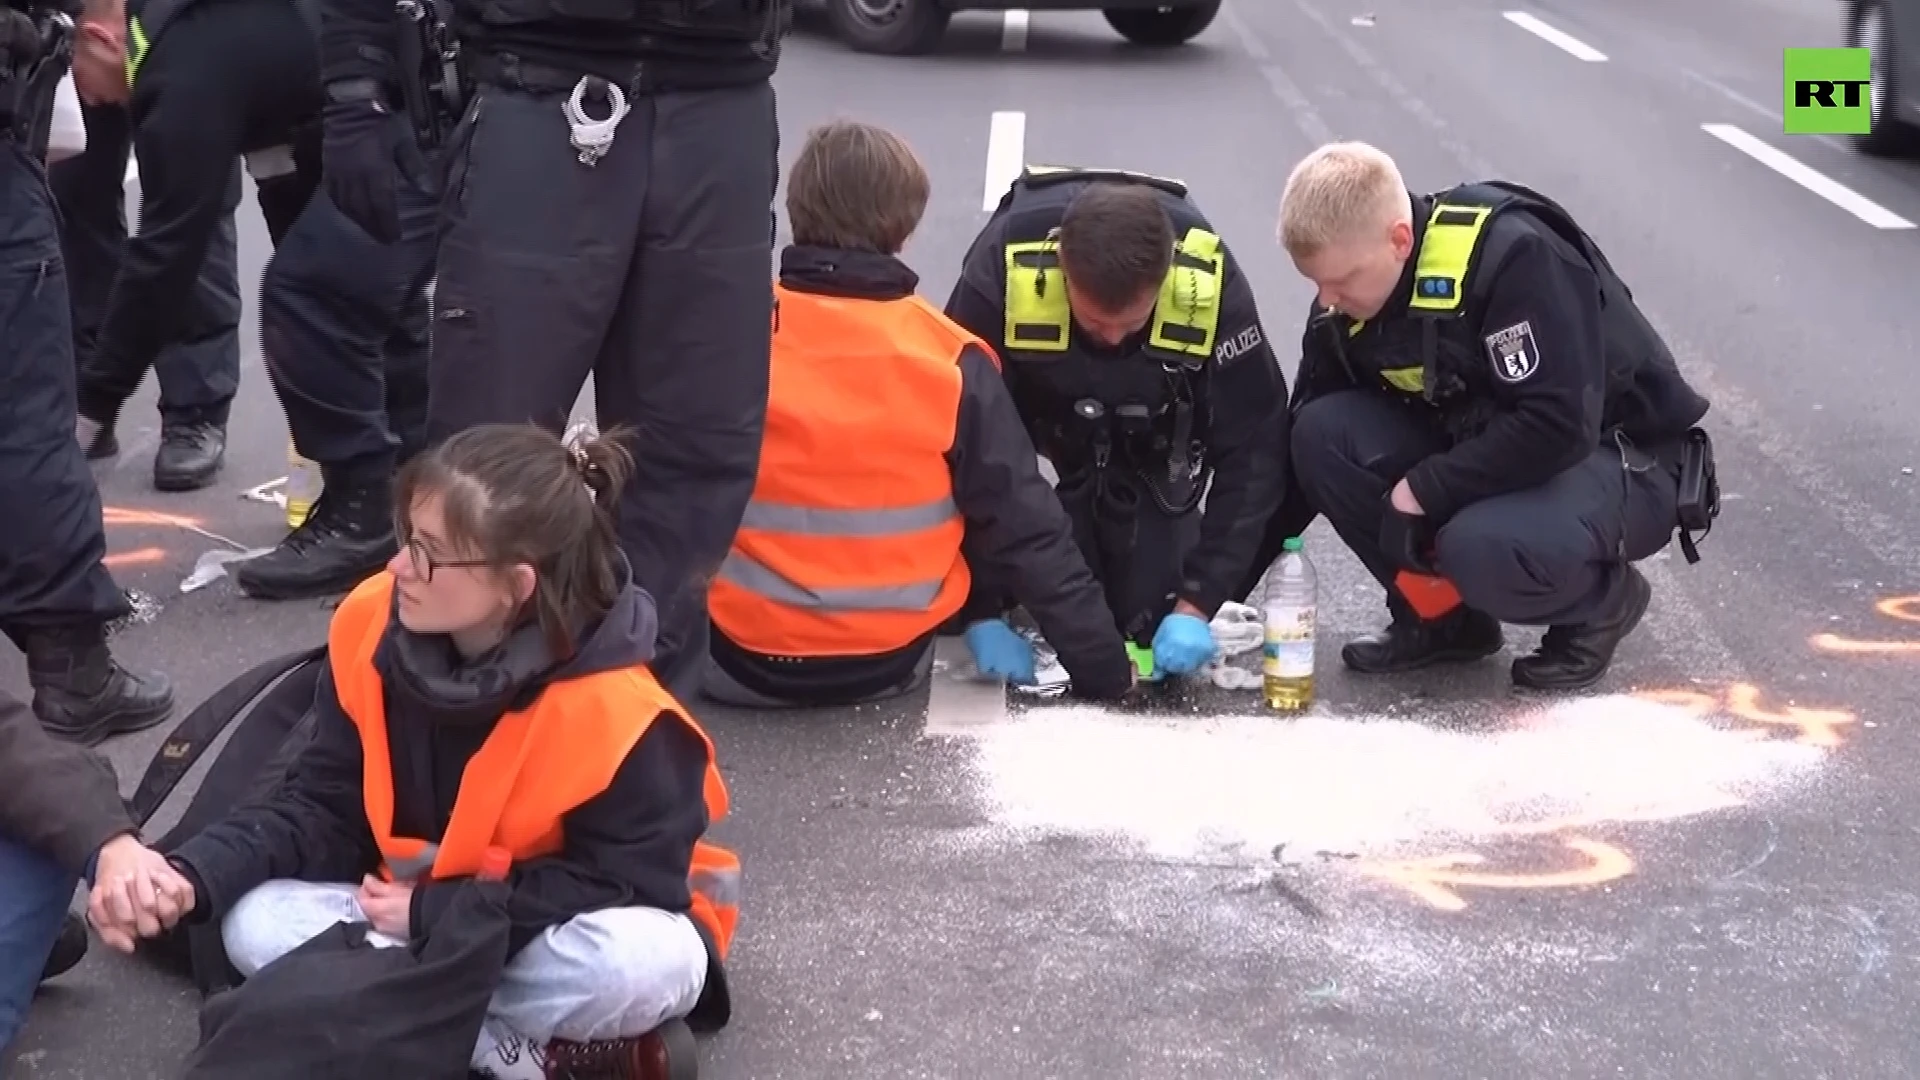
1703, 869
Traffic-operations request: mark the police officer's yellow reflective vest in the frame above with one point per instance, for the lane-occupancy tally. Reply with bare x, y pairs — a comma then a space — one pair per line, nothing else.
1449, 249
1186, 318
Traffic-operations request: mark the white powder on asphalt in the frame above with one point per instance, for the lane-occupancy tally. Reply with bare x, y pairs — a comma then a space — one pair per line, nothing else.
1242, 786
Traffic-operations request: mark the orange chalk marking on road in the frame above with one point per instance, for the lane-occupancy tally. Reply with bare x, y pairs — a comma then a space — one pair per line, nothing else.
1437, 880
135, 558
115, 515
1899, 608
1816, 727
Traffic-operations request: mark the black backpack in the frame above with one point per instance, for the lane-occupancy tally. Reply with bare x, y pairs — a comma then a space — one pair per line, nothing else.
269, 713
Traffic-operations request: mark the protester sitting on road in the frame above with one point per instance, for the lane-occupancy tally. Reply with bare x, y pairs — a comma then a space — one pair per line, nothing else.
61, 816
894, 467
493, 684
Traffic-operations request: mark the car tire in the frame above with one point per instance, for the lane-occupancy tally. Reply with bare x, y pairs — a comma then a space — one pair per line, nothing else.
1870, 26
1163, 27
889, 27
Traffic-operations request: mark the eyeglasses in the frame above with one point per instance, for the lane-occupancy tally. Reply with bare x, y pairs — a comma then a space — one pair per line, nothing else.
424, 564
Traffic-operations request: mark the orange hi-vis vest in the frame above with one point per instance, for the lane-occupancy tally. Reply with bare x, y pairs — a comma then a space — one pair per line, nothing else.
535, 767
851, 545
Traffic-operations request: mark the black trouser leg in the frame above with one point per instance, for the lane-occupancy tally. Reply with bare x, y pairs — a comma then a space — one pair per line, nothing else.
648, 269
54, 540
685, 362
198, 376
1349, 449
1559, 554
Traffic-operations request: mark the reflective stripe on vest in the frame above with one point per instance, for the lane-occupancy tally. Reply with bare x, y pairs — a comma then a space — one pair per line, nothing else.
1186, 318
851, 543
536, 766
137, 46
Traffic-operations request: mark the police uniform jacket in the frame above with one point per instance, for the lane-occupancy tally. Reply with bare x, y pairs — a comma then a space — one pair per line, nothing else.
1240, 411
1511, 330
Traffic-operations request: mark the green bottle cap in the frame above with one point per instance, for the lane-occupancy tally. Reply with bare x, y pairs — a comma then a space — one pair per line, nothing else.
1292, 543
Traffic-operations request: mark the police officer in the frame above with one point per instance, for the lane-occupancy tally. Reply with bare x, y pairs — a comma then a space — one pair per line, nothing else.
1481, 400
615, 218
342, 316
56, 597
1134, 351
200, 372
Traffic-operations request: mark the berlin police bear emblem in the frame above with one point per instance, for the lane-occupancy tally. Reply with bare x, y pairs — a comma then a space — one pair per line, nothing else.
1514, 354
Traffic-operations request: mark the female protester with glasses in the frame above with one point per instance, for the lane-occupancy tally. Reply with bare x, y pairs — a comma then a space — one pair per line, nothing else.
488, 698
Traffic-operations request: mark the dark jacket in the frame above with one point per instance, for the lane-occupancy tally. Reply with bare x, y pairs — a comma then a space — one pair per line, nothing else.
1549, 357
219, 80
1242, 394
56, 798
629, 847
1018, 536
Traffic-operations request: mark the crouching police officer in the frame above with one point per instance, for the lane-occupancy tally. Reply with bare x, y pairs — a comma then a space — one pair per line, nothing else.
1134, 351
894, 467
56, 596
1480, 399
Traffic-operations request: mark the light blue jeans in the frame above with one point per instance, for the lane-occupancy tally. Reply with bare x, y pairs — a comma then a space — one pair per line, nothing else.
34, 894
604, 975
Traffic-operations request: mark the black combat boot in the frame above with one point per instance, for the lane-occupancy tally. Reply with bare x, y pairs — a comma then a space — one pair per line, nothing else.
80, 693
68, 949
346, 539
190, 455
1410, 643
1576, 657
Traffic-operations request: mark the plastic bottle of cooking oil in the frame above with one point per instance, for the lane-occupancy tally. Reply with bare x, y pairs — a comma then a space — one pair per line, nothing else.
303, 486
1291, 601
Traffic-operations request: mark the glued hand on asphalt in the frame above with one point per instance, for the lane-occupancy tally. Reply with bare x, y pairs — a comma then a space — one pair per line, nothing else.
1000, 653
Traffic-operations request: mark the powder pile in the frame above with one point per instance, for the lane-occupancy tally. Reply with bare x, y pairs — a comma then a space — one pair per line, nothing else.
1241, 787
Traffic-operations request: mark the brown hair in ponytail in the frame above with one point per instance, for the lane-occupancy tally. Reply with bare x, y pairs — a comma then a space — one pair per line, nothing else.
515, 494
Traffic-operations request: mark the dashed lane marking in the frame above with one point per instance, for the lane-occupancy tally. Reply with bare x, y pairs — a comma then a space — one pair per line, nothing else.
1006, 151
1580, 50
1013, 31
1807, 177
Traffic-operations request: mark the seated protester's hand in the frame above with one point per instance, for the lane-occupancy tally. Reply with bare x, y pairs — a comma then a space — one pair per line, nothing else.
999, 652
1183, 644
389, 906
136, 894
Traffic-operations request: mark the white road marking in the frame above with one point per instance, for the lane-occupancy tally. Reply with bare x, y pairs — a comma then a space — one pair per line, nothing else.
133, 171
1006, 153
956, 704
1561, 38
1819, 183
1013, 32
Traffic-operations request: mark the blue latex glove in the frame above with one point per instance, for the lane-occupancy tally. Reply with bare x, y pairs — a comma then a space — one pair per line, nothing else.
1182, 645
999, 652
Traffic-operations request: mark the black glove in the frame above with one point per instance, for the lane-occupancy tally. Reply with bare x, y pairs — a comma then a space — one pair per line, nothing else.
359, 163
1407, 539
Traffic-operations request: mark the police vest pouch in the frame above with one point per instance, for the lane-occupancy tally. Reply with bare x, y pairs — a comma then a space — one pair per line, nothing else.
1699, 497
